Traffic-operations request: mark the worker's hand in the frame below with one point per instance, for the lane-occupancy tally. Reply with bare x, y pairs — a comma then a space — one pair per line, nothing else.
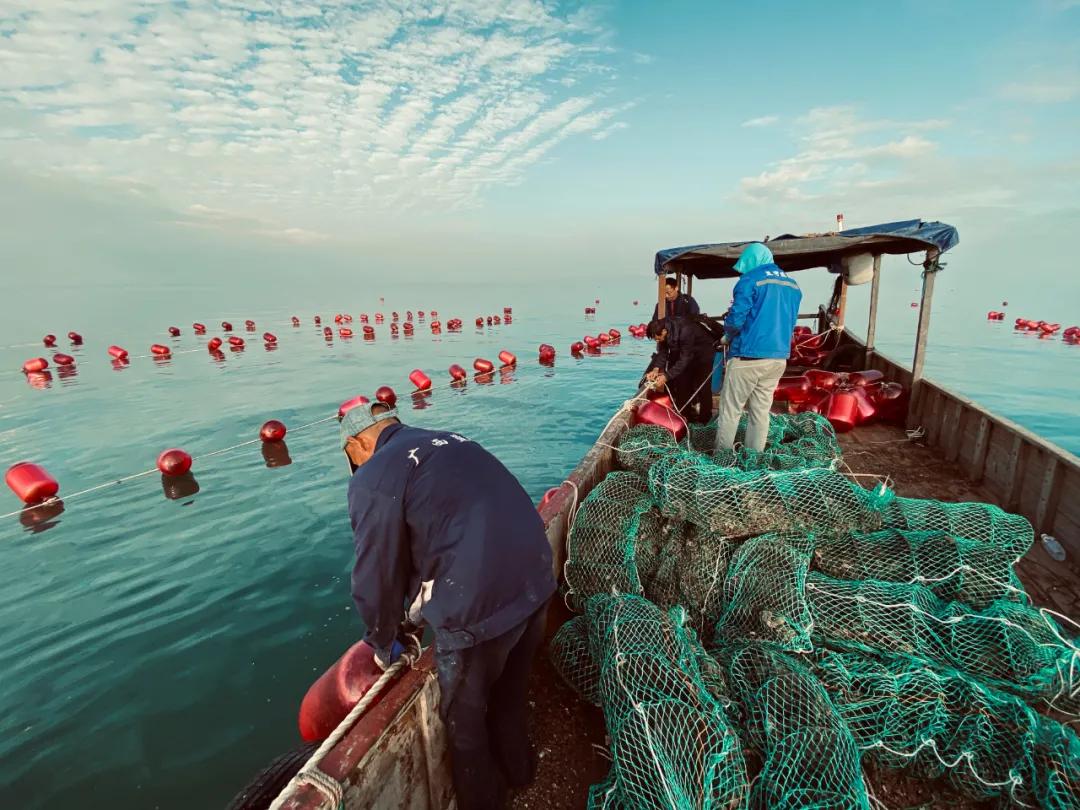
650, 375
660, 382
396, 650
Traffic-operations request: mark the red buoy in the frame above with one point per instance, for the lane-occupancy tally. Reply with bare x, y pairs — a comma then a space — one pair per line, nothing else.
35, 364
269, 337
822, 379
420, 313
866, 409
159, 350
507, 310
483, 366
419, 379
345, 332
49, 341
393, 328
497, 320
213, 344
489, 321
652, 413
249, 324
507, 319
385, 394
318, 320
349, 404
394, 317
436, 327
434, 313
408, 315
117, 352
363, 317
378, 317
507, 358
792, 389
369, 332
226, 326
577, 348
295, 321
75, 338
551, 493
346, 318
174, 462
604, 337
235, 340
614, 333
199, 328
457, 372
174, 331
842, 411
272, 431
591, 342
336, 691
31, 482
328, 332
62, 359
409, 328
635, 302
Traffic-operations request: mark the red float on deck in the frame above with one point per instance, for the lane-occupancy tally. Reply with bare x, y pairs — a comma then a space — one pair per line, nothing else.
349, 404
385, 394
62, 359
336, 691
30, 482
174, 331
652, 413
213, 344
118, 352
419, 379
483, 366
272, 431
34, 365
822, 379
864, 378
174, 462
792, 389
842, 411
49, 341
507, 358
458, 372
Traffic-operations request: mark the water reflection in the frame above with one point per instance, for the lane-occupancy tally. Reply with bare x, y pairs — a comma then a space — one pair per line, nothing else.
176, 487
67, 372
506, 375
485, 379
420, 400
276, 454
39, 379
120, 363
217, 355
41, 518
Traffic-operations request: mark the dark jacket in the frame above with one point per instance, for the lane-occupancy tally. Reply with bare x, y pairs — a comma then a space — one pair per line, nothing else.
682, 305
687, 346
763, 313
434, 511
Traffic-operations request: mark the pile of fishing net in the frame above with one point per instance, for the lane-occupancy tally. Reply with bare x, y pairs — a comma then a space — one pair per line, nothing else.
755, 629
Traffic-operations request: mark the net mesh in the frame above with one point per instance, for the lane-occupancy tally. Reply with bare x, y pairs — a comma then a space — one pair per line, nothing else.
842, 622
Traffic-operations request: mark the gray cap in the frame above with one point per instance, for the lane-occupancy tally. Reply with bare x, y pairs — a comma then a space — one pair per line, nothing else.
360, 418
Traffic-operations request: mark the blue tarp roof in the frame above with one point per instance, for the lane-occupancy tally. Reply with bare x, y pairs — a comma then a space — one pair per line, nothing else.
812, 250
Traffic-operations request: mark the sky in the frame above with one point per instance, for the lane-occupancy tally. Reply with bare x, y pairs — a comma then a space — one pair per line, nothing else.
523, 138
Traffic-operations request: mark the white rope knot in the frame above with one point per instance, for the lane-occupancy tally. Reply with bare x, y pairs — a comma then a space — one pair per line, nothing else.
328, 786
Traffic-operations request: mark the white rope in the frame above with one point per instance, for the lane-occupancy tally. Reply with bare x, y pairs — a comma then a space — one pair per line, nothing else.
310, 772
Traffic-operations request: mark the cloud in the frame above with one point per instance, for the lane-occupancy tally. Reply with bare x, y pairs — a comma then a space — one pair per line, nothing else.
839, 149
305, 115
648, 59
763, 121
1048, 90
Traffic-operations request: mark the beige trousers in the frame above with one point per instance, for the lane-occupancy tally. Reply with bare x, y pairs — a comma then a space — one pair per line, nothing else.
748, 384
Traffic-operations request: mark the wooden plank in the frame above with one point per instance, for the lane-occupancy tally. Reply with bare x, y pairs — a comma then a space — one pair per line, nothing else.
924, 328
841, 309
1017, 468
875, 285
982, 442
954, 430
1049, 495
661, 302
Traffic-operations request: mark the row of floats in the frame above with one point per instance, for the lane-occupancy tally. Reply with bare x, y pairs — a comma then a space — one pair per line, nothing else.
1044, 329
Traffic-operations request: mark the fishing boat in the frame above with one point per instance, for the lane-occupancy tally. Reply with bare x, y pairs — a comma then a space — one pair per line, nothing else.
394, 754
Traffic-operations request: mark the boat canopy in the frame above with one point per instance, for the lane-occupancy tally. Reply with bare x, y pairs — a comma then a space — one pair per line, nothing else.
811, 250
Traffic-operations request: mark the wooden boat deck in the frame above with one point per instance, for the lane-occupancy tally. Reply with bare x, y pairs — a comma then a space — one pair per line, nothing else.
569, 734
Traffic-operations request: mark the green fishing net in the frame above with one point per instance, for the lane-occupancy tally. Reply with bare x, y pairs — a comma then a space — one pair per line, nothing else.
842, 621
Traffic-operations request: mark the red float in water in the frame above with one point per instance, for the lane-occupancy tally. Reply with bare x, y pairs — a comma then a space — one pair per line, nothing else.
842, 411
318, 320
497, 320
507, 358
118, 352
75, 338
34, 365
49, 341
614, 333
336, 691
420, 313
349, 404
269, 337
409, 329
363, 317
408, 316
346, 332
62, 359
213, 344
174, 462
577, 347
458, 372
369, 332
434, 313
489, 321
272, 431
394, 317
346, 318
174, 331
159, 350
31, 482
479, 322
249, 324
604, 337
635, 302
379, 317
235, 340
652, 413
1050, 328
199, 328
295, 321
419, 379
226, 326
483, 366
328, 333
393, 328
385, 394
436, 326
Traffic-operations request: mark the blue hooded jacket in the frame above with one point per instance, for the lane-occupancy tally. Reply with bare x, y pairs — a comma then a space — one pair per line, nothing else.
765, 308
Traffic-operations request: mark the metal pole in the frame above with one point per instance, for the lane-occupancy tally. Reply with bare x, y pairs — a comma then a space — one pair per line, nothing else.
871, 327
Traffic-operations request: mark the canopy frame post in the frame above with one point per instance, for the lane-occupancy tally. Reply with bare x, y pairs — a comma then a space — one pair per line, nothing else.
661, 302
875, 287
931, 266
689, 284
841, 306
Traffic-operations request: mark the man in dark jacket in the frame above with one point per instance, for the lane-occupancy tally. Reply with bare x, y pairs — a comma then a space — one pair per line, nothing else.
677, 304
683, 364
439, 521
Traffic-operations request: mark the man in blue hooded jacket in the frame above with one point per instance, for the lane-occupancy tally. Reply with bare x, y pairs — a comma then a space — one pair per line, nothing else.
439, 521
758, 327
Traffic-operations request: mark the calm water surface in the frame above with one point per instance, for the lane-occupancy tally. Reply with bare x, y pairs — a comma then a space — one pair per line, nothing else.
155, 650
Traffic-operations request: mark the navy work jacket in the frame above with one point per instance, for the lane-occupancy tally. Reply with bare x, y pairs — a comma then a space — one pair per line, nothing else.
686, 346
436, 515
681, 306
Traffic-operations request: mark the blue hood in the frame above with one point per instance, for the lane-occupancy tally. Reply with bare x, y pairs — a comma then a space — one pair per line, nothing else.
754, 256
